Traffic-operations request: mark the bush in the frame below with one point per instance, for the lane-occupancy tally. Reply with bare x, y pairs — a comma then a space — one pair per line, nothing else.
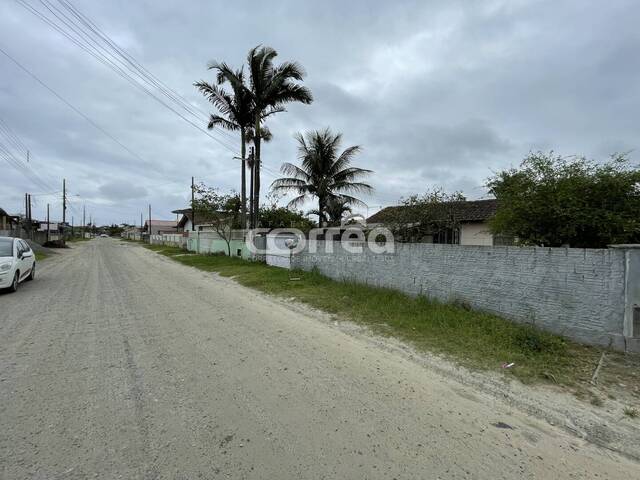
530, 339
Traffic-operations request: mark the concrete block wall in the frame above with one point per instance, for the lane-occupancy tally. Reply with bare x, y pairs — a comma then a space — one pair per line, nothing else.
210, 242
579, 293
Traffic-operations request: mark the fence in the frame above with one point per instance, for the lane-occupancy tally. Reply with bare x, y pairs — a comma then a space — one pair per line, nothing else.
132, 236
171, 240
589, 295
35, 235
208, 242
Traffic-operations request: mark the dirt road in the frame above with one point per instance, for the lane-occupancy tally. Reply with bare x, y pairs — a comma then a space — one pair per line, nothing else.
119, 363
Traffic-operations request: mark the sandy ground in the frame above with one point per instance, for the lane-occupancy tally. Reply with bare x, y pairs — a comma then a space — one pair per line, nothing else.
119, 363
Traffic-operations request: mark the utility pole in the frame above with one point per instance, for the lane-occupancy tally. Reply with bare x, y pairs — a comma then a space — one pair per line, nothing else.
84, 219
64, 200
193, 205
149, 223
47, 222
26, 211
29, 217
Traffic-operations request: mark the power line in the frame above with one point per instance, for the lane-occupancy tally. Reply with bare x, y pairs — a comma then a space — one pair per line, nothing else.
16, 163
68, 104
114, 61
17, 143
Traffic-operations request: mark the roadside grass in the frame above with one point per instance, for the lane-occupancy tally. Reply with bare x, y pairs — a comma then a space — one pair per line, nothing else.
40, 256
474, 339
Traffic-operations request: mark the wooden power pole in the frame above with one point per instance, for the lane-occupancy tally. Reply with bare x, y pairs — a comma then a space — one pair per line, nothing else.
64, 201
193, 205
47, 222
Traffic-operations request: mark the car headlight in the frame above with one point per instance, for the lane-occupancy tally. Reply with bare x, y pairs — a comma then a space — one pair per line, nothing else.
5, 267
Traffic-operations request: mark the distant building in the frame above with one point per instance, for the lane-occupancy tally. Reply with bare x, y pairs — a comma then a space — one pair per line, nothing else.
8, 223
185, 224
158, 227
470, 217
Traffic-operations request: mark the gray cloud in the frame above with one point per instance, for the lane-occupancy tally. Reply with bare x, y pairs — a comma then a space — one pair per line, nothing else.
121, 190
438, 93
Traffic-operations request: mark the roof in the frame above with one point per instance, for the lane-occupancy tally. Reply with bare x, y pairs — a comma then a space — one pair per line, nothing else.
187, 215
162, 223
4, 213
467, 211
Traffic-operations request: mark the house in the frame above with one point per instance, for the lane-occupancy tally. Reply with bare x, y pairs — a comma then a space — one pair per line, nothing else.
468, 219
158, 227
8, 223
185, 224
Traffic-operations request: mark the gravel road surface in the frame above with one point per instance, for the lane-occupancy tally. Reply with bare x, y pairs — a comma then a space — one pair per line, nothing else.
117, 362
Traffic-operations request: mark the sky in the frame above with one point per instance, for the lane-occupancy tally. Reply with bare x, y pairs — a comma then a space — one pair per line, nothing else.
437, 94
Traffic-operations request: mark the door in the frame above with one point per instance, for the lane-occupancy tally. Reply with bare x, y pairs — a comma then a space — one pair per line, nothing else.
25, 259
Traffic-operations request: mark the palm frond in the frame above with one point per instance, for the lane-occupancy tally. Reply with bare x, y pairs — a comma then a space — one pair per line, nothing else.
323, 172
349, 200
350, 174
344, 159
297, 201
217, 120
355, 187
295, 171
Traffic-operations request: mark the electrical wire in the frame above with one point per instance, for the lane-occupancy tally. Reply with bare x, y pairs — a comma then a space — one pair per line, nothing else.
112, 57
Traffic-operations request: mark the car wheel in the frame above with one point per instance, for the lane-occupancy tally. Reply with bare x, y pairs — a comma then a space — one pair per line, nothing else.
32, 275
14, 284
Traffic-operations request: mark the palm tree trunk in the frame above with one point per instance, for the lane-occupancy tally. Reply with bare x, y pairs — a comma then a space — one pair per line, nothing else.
243, 184
256, 173
251, 194
320, 212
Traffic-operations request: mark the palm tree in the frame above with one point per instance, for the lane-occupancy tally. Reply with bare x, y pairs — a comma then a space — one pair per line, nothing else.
272, 87
236, 113
324, 173
335, 210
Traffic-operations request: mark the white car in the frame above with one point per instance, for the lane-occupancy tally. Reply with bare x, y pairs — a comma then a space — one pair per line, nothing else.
17, 262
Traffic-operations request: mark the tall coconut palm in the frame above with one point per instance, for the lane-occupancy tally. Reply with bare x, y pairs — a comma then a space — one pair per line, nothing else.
236, 113
272, 87
324, 173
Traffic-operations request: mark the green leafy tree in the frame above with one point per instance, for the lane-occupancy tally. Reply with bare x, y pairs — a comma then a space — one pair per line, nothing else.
553, 201
325, 173
222, 211
272, 215
272, 87
429, 213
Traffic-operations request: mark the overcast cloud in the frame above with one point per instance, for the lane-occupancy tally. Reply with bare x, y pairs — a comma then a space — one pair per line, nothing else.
438, 93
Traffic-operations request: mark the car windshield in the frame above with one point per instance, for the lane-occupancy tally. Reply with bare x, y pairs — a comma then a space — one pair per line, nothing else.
6, 247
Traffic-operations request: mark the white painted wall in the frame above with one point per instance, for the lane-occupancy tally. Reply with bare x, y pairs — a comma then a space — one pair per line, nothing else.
475, 234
